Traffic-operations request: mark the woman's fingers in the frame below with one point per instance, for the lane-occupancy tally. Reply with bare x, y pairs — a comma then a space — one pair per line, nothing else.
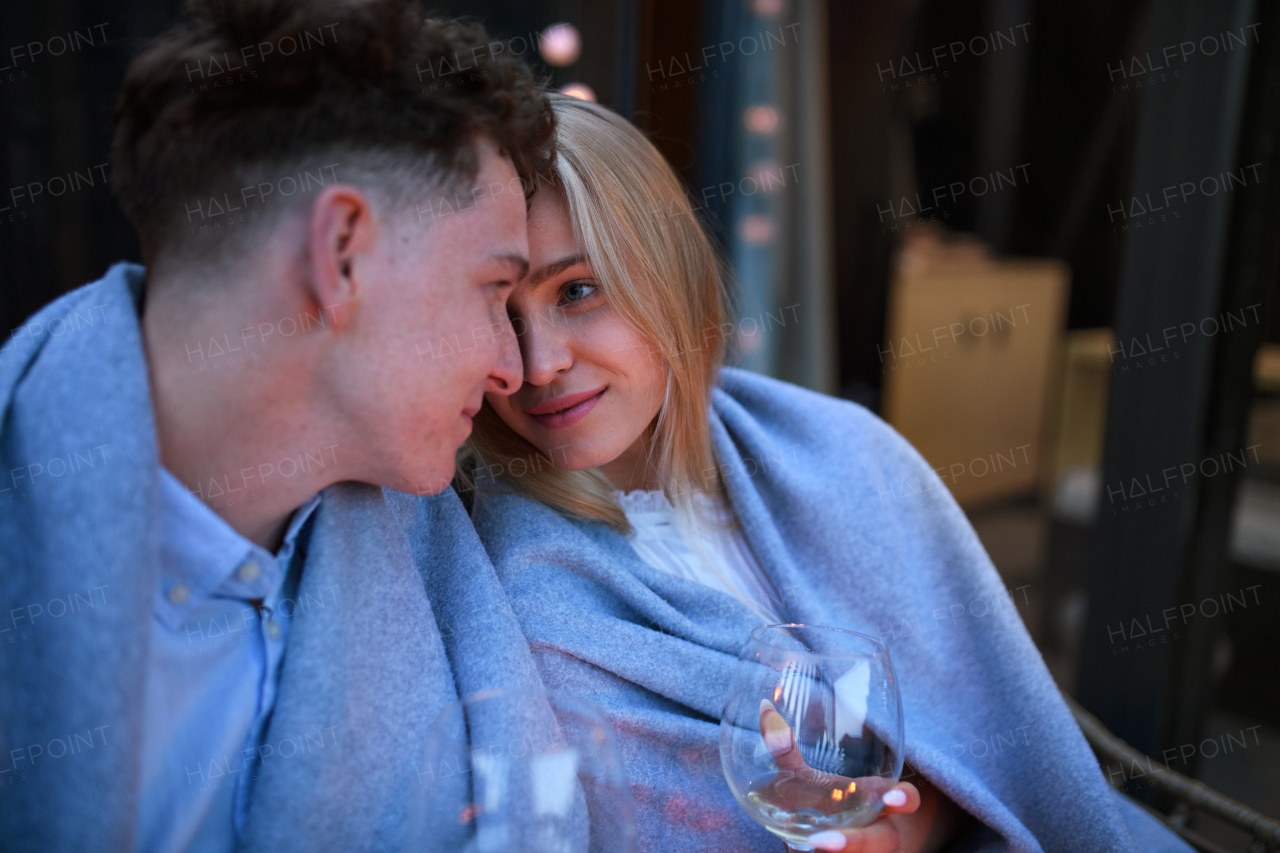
902, 798
778, 738
878, 837
875, 786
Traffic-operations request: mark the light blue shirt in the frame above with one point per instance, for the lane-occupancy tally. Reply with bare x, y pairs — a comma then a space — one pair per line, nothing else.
212, 672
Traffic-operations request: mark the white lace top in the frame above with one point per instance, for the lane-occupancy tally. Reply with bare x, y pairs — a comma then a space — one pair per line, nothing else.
720, 558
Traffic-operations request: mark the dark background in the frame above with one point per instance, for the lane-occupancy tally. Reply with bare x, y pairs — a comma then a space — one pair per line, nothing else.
57, 118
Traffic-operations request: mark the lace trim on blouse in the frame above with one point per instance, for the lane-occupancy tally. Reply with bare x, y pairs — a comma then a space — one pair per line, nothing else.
722, 561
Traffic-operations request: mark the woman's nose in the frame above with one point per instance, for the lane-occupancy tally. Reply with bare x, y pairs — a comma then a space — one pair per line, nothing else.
545, 349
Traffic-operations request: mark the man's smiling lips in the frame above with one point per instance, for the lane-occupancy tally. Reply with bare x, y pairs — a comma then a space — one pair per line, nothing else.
565, 411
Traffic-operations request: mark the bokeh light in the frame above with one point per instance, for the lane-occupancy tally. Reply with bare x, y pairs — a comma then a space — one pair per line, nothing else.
560, 45
756, 229
761, 119
768, 175
581, 91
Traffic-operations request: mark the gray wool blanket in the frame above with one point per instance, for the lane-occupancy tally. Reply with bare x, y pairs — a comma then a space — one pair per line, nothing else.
855, 530
408, 615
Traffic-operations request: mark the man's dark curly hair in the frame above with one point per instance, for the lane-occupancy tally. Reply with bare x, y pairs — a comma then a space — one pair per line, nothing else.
251, 90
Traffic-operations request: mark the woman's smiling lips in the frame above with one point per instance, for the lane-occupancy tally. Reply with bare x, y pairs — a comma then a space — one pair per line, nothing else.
564, 411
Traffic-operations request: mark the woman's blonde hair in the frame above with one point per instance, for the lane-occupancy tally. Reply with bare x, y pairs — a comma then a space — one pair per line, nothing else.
659, 271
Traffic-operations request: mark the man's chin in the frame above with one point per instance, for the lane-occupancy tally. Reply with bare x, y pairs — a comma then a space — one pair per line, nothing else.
430, 480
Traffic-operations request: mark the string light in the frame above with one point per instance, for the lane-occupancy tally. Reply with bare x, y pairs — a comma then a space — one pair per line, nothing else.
560, 45
761, 119
756, 229
581, 91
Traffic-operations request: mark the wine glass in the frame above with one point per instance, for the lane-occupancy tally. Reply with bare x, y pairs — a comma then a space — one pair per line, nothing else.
811, 735
520, 773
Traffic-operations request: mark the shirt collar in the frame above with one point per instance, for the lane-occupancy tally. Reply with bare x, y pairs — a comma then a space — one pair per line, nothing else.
201, 556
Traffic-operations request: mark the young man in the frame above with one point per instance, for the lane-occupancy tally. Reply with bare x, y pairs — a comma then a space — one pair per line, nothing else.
205, 644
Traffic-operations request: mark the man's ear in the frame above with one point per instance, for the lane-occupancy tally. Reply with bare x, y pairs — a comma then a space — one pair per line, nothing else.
341, 234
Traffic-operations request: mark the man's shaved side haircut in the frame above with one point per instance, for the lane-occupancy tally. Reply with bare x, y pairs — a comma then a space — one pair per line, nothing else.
243, 95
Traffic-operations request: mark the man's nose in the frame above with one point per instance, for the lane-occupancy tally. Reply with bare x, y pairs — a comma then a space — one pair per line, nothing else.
507, 372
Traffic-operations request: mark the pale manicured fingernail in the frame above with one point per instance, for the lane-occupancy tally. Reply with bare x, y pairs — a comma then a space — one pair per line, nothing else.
828, 840
777, 736
896, 797
776, 732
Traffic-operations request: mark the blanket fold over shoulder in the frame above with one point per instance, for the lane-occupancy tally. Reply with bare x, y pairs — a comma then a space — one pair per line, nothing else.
856, 531
398, 610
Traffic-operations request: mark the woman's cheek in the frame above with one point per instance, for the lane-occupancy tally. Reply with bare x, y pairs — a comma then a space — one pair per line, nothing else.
629, 349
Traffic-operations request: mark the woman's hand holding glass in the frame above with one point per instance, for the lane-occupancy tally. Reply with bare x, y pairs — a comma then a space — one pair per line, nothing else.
811, 738
799, 786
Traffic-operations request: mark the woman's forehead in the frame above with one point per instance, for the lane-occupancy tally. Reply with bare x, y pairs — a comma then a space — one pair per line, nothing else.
551, 236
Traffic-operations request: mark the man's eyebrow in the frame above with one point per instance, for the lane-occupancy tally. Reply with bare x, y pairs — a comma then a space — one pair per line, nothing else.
520, 263
555, 268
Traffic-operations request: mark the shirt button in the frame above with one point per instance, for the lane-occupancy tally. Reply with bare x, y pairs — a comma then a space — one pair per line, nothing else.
179, 593
273, 629
248, 573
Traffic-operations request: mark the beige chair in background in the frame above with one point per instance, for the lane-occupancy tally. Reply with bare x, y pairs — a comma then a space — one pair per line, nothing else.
971, 353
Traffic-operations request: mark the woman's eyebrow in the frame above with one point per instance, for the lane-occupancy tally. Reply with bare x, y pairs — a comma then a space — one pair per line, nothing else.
554, 268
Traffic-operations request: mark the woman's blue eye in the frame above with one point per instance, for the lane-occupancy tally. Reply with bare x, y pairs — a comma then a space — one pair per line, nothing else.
577, 291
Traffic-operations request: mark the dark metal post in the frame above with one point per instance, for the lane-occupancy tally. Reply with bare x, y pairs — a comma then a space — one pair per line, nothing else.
1251, 286
1162, 382
626, 56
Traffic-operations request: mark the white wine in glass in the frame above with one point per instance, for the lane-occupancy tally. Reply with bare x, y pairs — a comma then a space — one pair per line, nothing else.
811, 736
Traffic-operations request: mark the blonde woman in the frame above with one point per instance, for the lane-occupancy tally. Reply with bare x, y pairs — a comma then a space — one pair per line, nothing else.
646, 507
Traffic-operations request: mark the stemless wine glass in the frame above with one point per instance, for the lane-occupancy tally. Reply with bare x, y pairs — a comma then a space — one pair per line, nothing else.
510, 772
811, 735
